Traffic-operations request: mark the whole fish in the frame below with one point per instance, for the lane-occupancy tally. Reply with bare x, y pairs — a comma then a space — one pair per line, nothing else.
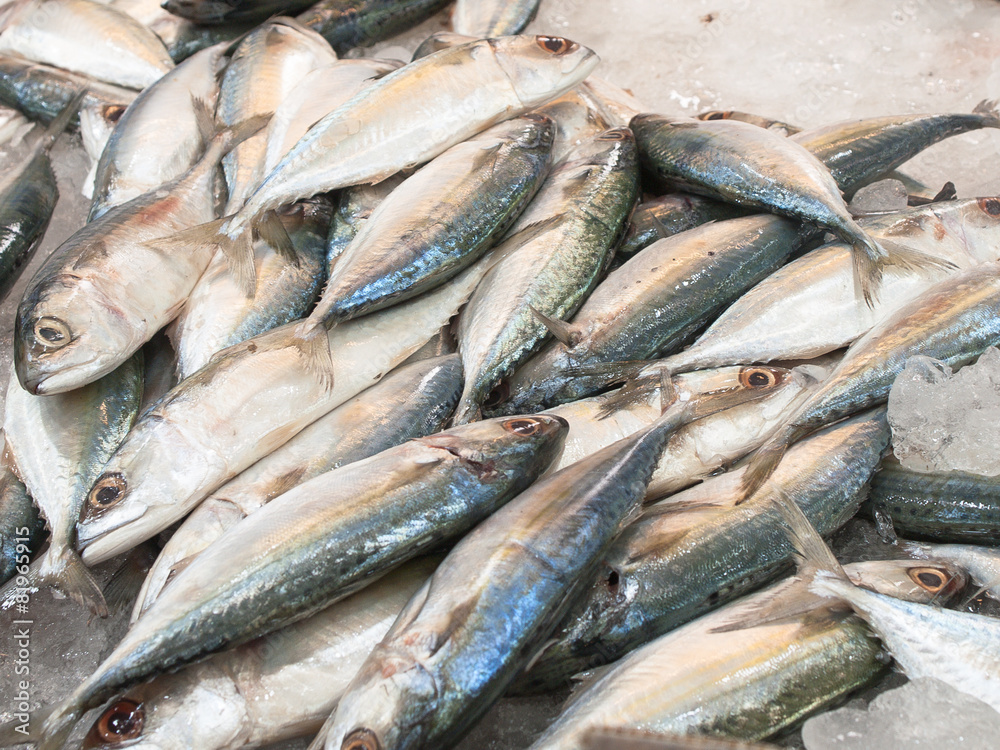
59, 444
41, 92
88, 38
265, 66
750, 166
653, 303
507, 582
860, 151
316, 95
959, 648
217, 314
245, 403
489, 18
410, 402
669, 215
953, 321
91, 306
376, 134
361, 23
275, 688
320, 542
951, 506
28, 195
138, 157
981, 563
560, 246
440, 220
700, 548
809, 307
225, 12
730, 674
22, 528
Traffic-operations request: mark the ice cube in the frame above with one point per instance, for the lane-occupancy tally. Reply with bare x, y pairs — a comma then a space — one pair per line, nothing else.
879, 197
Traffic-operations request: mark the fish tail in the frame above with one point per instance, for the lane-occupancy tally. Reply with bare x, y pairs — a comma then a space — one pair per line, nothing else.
272, 231
869, 259
67, 573
766, 459
228, 138
914, 260
311, 339
987, 108
811, 553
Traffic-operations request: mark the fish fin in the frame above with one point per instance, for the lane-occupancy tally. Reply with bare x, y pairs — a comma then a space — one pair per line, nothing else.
914, 260
765, 460
61, 121
946, 193
565, 333
310, 337
272, 231
612, 372
988, 109
867, 272
229, 138
238, 252
635, 391
68, 574
668, 394
811, 553
204, 119
122, 590
177, 568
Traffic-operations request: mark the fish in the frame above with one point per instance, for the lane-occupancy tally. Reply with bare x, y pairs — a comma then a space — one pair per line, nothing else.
559, 248
264, 68
41, 92
858, 152
955, 320
86, 37
22, 528
28, 195
519, 72
508, 582
952, 506
490, 18
960, 649
750, 166
671, 214
347, 24
809, 307
277, 687
698, 549
139, 156
335, 534
218, 315
731, 674
653, 303
243, 404
410, 402
440, 40
59, 444
90, 306
316, 95
439, 220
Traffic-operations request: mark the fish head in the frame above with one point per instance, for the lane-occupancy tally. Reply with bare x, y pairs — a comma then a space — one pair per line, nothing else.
67, 334
197, 707
919, 581
137, 493
511, 450
541, 68
977, 225
389, 704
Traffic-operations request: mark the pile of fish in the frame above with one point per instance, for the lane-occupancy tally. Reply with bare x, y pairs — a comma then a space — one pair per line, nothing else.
417, 385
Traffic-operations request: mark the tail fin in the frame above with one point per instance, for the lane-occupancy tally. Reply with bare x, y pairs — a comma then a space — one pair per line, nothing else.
811, 553
766, 459
871, 258
988, 109
238, 250
272, 231
312, 340
67, 573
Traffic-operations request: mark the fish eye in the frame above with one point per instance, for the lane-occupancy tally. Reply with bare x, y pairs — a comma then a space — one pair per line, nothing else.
555, 44
757, 377
107, 491
52, 333
523, 426
931, 579
361, 739
990, 206
121, 722
113, 112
